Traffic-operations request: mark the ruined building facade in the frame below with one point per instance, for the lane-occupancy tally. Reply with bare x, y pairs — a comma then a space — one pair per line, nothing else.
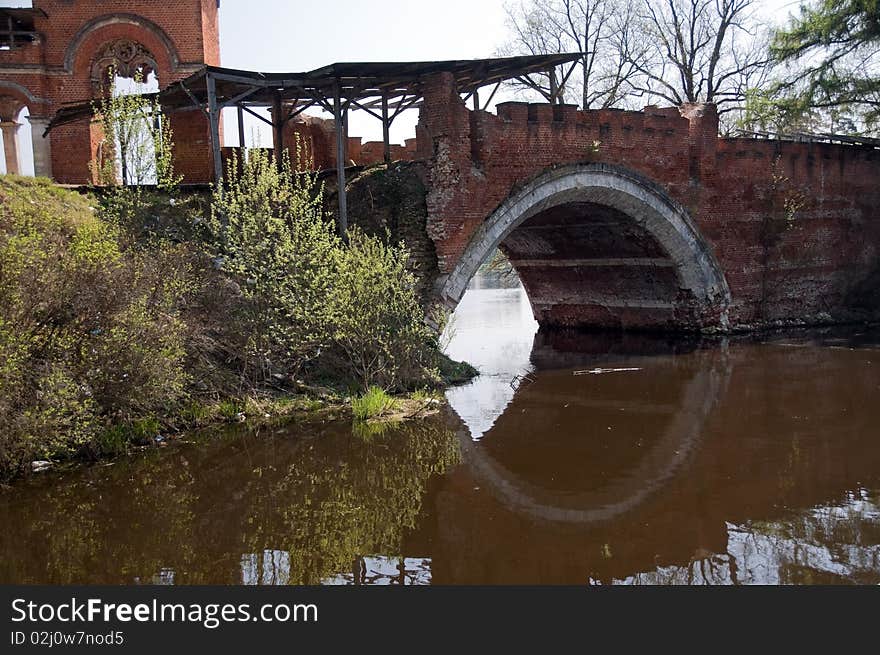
58, 53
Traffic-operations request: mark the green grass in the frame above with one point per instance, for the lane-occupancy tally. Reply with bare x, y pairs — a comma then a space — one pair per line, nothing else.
371, 404
117, 440
194, 414
230, 409
425, 395
112, 441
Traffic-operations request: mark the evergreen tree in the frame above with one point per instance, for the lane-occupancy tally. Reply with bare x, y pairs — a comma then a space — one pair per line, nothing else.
836, 43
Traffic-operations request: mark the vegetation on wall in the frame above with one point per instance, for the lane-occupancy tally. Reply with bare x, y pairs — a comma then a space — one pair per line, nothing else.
138, 141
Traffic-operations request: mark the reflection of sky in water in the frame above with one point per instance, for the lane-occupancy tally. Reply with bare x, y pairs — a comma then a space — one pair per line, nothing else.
272, 567
823, 545
493, 329
387, 571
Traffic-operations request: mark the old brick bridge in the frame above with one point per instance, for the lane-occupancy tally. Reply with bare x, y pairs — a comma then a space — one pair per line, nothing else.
634, 219
648, 218
625, 219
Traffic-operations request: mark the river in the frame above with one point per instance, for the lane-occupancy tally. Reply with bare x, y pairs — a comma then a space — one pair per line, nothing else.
573, 459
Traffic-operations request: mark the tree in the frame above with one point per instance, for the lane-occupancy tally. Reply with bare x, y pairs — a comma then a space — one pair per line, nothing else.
137, 138
601, 30
835, 45
699, 51
675, 51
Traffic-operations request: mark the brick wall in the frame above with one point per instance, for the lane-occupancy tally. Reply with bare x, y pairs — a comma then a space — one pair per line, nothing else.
317, 138
795, 227
192, 146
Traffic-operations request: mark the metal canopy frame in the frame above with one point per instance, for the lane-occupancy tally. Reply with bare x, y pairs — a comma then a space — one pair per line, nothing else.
382, 89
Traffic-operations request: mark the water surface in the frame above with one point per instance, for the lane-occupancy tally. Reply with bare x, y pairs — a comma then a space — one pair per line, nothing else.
573, 458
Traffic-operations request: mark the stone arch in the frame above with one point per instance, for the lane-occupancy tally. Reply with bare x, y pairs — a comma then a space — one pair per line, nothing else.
23, 122
698, 274
10, 105
21, 93
15, 129
148, 28
134, 48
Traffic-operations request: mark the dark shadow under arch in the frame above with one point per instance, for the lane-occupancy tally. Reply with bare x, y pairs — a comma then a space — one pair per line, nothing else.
674, 252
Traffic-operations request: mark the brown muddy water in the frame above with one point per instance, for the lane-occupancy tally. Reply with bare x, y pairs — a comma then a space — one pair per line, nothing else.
575, 459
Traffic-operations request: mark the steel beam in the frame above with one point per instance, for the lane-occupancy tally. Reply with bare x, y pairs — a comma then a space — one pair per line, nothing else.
338, 115
214, 120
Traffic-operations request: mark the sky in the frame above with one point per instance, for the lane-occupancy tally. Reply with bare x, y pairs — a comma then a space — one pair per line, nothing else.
293, 35
284, 36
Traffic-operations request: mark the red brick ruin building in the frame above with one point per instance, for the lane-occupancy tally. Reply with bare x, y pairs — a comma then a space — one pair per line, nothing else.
57, 53
612, 218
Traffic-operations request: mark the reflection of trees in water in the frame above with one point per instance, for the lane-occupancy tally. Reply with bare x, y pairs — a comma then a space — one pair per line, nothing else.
304, 508
381, 570
345, 498
121, 522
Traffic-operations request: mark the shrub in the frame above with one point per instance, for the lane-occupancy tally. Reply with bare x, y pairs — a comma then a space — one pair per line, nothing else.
347, 311
378, 326
270, 236
90, 334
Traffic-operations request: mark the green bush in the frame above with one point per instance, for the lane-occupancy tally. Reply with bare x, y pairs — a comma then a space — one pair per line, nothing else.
377, 326
348, 312
271, 238
115, 311
90, 334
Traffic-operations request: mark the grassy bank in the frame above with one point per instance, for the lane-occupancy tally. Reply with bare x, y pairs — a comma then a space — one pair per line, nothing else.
131, 315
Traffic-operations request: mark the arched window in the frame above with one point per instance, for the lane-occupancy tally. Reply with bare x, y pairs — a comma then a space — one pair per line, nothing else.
15, 131
123, 70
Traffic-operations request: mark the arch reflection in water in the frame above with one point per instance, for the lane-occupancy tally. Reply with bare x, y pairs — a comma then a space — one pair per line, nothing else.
577, 415
740, 462
604, 445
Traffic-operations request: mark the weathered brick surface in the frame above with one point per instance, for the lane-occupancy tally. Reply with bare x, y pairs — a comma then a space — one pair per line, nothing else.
57, 69
316, 137
795, 227
389, 201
